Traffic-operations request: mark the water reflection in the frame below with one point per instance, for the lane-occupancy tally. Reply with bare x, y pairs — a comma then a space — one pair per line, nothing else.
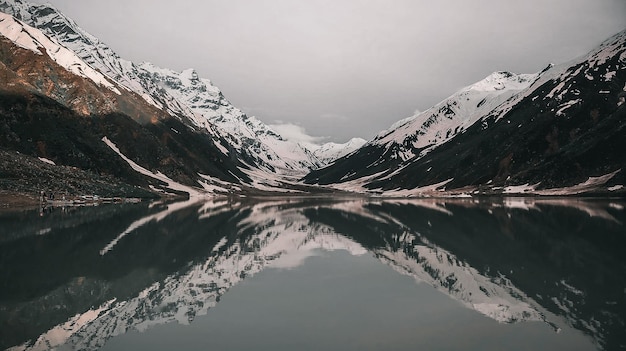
82, 276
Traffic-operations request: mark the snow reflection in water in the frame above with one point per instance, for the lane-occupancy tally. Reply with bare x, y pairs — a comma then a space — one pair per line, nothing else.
100, 272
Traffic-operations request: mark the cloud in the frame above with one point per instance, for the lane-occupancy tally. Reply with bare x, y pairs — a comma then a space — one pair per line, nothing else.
296, 133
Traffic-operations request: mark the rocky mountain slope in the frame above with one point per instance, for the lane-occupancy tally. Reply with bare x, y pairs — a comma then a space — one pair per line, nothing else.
558, 132
54, 106
193, 100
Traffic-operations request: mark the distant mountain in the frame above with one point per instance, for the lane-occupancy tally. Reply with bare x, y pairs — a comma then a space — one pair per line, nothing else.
561, 131
329, 152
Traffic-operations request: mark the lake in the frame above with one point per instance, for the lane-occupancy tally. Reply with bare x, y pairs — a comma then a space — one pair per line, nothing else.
316, 274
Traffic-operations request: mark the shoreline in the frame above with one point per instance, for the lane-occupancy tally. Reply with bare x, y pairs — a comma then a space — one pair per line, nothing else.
11, 201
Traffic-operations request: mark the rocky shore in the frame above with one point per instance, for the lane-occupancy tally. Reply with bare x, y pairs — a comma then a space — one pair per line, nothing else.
23, 179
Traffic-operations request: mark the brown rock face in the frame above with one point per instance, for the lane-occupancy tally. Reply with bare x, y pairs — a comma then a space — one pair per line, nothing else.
22, 70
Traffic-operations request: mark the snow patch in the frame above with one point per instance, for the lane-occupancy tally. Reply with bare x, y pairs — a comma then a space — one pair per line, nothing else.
567, 105
158, 175
609, 76
45, 160
592, 183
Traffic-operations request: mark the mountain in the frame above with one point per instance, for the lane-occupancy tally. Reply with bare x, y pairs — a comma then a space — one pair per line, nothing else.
561, 131
56, 106
211, 145
329, 152
194, 100
556, 132
425, 131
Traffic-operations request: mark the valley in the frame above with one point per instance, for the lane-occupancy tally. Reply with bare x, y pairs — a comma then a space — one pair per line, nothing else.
141, 130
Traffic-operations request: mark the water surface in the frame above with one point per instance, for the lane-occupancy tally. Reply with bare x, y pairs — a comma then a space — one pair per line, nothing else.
344, 274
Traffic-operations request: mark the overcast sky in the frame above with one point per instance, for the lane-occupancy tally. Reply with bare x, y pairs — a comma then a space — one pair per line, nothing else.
345, 68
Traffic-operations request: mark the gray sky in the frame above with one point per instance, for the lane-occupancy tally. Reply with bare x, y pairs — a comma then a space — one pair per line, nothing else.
344, 68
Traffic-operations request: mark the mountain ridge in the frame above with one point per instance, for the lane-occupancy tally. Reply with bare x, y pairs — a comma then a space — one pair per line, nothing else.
506, 134
273, 153
539, 140
261, 155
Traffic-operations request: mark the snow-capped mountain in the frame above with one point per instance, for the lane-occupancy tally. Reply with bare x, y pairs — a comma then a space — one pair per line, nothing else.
417, 135
195, 101
247, 137
329, 152
440, 123
539, 133
46, 95
529, 133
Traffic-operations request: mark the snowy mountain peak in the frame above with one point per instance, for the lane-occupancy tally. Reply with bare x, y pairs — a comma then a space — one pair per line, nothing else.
329, 152
503, 80
191, 75
451, 116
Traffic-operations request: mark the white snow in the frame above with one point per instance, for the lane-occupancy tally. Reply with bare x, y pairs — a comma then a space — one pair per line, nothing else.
519, 189
33, 39
415, 136
609, 76
45, 160
592, 183
557, 89
571, 288
329, 152
565, 106
193, 192
215, 185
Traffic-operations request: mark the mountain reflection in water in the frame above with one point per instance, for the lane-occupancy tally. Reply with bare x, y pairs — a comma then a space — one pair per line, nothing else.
76, 278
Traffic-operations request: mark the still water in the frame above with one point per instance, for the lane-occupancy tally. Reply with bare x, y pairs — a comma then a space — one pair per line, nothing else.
305, 274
